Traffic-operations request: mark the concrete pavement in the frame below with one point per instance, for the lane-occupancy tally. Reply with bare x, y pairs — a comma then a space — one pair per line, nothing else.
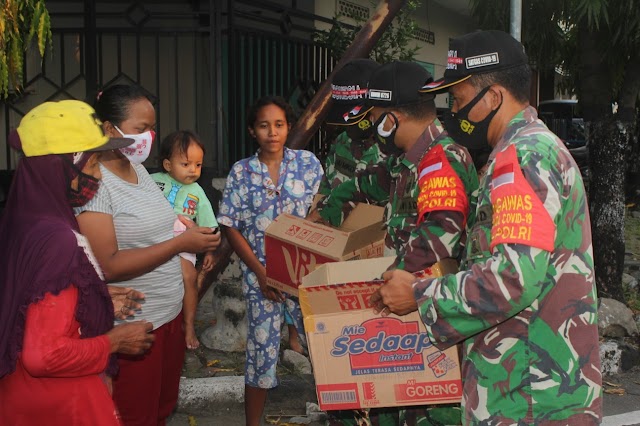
219, 400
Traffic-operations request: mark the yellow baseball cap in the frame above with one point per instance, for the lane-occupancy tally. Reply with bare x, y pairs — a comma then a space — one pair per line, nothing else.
64, 127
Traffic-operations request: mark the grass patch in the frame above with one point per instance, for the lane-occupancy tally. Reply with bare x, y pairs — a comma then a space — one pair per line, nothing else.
632, 245
632, 236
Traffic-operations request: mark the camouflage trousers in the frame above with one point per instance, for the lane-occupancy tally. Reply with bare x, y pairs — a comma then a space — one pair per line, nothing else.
442, 415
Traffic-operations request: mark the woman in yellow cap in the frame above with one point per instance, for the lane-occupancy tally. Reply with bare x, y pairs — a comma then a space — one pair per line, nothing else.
56, 318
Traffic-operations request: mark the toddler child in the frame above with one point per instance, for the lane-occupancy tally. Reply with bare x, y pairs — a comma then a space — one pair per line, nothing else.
182, 153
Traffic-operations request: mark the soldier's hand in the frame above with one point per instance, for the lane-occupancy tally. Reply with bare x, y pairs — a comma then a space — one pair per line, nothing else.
376, 302
396, 295
314, 216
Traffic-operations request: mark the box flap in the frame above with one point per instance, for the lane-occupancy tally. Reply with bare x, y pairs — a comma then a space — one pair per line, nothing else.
361, 237
361, 216
341, 286
312, 236
347, 272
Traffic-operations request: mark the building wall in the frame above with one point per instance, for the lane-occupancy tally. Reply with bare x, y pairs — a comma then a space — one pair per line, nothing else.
171, 58
166, 55
429, 16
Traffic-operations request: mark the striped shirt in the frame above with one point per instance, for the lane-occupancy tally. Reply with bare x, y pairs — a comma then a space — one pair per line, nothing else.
142, 217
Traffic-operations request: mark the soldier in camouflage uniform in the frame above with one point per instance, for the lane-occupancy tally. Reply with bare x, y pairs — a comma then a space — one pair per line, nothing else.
418, 239
355, 146
524, 303
419, 234
349, 153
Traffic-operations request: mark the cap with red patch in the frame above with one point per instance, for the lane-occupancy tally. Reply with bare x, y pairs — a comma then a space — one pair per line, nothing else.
397, 84
478, 52
349, 91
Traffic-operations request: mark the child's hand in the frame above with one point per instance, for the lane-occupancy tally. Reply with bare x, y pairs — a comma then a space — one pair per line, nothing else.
267, 291
208, 261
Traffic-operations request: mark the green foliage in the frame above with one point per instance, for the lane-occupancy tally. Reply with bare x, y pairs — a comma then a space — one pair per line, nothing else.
393, 45
550, 33
20, 22
631, 297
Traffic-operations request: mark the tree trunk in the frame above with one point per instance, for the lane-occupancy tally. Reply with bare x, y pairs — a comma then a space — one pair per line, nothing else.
627, 114
360, 47
607, 141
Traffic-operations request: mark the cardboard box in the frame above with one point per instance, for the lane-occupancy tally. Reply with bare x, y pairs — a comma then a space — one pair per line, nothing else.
363, 360
295, 246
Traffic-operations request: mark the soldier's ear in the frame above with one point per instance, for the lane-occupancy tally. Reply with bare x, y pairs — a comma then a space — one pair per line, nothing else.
495, 95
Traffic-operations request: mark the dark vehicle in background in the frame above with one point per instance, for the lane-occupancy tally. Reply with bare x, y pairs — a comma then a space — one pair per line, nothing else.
562, 118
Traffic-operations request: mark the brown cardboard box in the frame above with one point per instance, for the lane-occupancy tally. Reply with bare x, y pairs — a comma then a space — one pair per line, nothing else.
363, 360
295, 246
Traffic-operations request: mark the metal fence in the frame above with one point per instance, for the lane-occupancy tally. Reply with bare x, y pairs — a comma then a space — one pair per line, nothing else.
201, 62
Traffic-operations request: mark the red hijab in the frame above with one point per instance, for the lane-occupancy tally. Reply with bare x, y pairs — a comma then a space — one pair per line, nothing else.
40, 254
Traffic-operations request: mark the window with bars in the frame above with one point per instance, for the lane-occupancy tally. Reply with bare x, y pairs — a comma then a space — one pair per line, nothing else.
425, 35
352, 10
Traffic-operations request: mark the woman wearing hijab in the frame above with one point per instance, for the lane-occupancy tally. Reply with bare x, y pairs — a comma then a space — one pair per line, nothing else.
56, 314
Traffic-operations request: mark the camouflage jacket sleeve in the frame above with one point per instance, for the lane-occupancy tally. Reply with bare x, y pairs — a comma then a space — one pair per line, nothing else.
439, 235
329, 165
372, 183
325, 189
498, 283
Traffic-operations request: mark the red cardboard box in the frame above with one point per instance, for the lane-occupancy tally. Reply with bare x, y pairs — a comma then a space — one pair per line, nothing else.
295, 247
363, 360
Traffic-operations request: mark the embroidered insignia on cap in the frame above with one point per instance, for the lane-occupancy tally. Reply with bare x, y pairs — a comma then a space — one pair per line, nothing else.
482, 60
347, 93
381, 95
453, 60
432, 85
352, 113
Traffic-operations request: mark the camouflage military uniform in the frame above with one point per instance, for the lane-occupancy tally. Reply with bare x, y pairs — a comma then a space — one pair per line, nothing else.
416, 246
345, 158
525, 302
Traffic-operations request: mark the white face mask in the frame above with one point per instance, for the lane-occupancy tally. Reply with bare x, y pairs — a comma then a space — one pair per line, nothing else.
386, 133
139, 151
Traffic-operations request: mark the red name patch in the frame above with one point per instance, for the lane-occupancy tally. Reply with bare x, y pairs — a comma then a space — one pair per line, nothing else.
440, 186
518, 214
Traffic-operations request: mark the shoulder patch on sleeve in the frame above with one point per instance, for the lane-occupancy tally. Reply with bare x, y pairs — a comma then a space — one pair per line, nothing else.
519, 215
440, 186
